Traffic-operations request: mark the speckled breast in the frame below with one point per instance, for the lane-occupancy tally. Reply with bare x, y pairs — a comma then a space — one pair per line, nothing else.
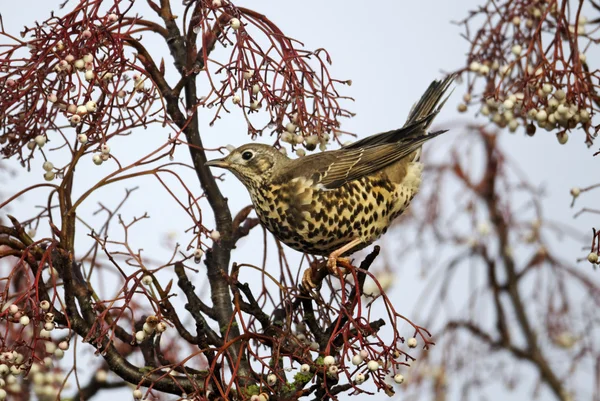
311, 219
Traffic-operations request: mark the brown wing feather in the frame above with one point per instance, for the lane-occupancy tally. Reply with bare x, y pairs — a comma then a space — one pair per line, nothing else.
335, 168
352, 165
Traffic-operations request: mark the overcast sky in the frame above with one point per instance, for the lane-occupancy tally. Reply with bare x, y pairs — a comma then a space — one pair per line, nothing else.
391, 50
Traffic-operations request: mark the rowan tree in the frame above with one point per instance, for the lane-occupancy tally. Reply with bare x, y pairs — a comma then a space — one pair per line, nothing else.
73, 86
88, 86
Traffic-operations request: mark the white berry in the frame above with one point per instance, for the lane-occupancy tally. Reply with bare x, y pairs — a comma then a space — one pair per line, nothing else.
24, 320
49, 175
97, 159
357, 359
541, 116
509, 104
412, 342
305, 368
271, 379
91, 106
40, 140
360, 378
328, 360
398, 378
47, 166
373, 365
290, 127
161, 327
148, 328
560, 94
101, 376
474, 66
592, 257
235, 24
575, 191
75, 119
584, 116
215, 235
562, 138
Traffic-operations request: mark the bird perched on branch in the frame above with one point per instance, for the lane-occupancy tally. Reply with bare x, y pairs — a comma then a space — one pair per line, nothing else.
337, 202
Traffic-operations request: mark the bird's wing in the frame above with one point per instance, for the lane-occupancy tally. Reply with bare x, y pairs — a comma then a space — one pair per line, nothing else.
419, 118
335, 168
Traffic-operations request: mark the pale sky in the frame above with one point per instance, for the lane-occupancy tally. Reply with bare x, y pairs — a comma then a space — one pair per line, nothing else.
391, 50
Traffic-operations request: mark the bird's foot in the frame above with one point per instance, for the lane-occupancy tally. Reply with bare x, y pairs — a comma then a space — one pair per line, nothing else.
314, 275
309, 278
333, 263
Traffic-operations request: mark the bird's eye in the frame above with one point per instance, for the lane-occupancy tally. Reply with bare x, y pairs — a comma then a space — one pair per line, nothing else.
247, 155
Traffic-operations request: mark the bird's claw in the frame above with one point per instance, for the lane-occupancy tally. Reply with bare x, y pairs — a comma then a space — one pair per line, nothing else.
333, 263
314, 275
307, 279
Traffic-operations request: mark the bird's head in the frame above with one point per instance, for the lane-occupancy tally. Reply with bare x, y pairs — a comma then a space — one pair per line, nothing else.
253, 164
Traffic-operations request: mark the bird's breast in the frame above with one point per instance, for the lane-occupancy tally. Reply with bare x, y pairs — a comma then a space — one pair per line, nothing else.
311, 219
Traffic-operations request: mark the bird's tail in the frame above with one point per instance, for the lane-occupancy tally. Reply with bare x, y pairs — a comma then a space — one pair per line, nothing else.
430, 103
419, 119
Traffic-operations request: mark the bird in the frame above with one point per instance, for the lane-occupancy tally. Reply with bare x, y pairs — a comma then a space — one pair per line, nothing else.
337, 202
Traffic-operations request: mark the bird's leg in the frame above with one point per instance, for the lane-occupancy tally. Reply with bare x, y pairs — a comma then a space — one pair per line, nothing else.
335, 256
313, 276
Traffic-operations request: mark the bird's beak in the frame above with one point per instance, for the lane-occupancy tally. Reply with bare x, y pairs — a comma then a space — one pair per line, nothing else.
221, 163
